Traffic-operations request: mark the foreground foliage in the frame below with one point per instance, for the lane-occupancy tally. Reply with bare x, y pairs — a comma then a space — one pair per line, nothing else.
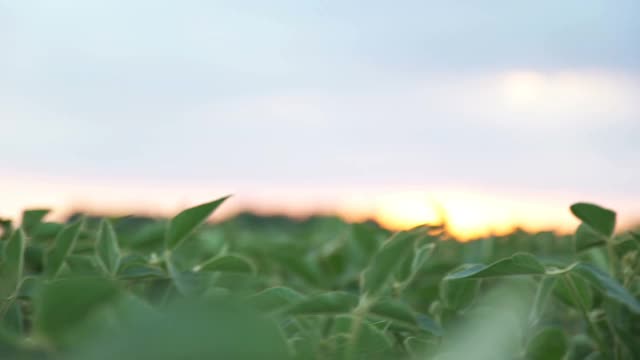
255, 288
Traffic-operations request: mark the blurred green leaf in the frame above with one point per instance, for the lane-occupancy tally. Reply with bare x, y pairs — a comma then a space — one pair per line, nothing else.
191, 329
586, 238
107, 248
370, 344
388, 260
547, 344
12, 267
62, 247
458, 294
13, 319
140, 271
185, 223
229, 263
80, 265
400, 314
518, 264
335, 302
541, 300
276, 298
31, 218
62, 305
563, 290
609, 286
598, 218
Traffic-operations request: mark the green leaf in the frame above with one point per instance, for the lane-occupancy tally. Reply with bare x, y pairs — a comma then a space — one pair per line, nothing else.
387, 261
275, 298
609, 286
140, 271
191, 329
518, 264
423, 253
62, 247
370, 344
548, 344
398, 313
186, 222
586, 238
458, 294
336, 302
13, 318
229, 263
63, 305
82, 265
13, 266
541, 299
564, 291
598, 218
31, 218
187, 282
107, 248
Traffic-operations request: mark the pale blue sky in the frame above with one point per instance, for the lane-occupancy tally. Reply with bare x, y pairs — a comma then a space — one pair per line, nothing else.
536, 95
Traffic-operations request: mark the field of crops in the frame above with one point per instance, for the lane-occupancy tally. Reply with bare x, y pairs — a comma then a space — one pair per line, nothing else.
275, 288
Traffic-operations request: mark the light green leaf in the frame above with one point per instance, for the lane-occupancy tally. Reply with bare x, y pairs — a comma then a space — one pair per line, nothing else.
609, 286
598, 218
518, 264
62, 247
107, 248
186, 222
229, 263
13, 266
548, 344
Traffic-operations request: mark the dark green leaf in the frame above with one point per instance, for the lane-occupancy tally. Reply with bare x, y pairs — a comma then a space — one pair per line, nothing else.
140, 271
82, 265
388, 260
31, 218
574, 283
275, 298
609, 286
458, 294
12, 268
64, 304
336, 302
107, 248
598, 218
229, 263
371, 343
193, 330
548, 344
518, 264
545, 288
63, 246
186, 222
586, 238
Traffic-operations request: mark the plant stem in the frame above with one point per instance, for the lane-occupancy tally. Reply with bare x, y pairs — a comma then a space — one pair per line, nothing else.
359, 313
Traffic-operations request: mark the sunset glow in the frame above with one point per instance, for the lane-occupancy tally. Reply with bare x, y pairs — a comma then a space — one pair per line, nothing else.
467, 214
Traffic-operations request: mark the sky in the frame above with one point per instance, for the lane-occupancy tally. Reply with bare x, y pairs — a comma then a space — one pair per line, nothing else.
502, 113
